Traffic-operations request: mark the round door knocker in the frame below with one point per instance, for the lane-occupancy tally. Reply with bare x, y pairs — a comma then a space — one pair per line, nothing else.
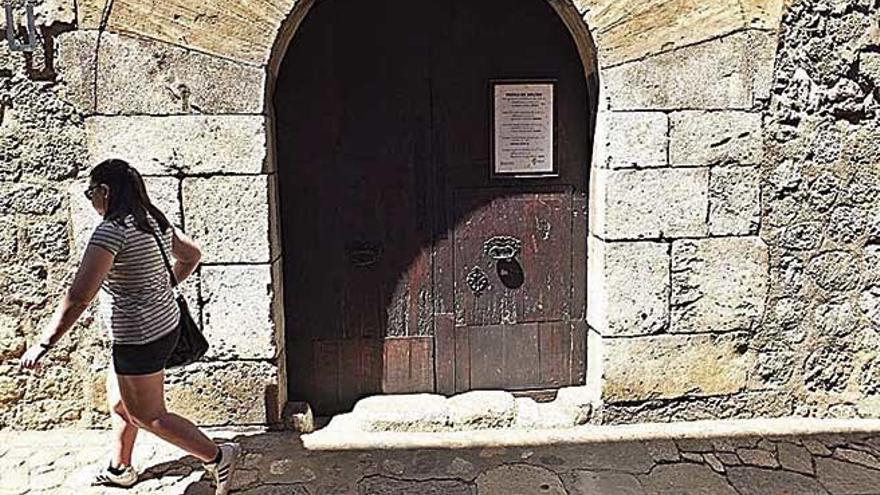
477, 281
502, 248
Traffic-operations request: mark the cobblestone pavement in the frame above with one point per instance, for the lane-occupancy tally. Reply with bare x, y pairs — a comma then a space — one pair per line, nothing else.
770, 457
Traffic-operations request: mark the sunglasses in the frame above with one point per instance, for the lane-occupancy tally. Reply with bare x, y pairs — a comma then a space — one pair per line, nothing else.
91, 191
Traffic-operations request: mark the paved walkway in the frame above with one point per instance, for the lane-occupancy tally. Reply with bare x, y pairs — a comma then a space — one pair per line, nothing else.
770, 457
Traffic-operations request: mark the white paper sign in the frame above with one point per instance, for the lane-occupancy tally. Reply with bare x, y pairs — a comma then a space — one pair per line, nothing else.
523, 128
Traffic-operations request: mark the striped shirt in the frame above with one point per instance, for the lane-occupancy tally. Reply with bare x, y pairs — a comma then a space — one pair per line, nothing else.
139, 306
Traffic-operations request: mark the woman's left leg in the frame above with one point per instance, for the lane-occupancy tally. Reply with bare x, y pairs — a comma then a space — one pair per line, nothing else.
144, 399
124, 430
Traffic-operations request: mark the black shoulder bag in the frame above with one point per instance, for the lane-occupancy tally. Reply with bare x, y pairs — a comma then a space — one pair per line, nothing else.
191, 345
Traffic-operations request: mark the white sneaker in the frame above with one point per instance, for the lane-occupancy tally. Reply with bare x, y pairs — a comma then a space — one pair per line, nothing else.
126, 479
222, 471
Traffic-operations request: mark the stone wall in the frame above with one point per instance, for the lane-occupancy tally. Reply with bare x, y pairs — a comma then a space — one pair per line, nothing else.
42, 149
677, 271
733, 210
194, 125
821, 212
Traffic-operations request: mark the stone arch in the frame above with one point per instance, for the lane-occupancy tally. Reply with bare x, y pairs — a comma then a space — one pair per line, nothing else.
574, 22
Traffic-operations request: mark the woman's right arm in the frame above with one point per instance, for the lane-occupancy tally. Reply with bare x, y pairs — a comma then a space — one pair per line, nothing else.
186, 254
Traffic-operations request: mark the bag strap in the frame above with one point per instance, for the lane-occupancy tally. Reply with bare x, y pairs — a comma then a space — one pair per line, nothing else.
174, 281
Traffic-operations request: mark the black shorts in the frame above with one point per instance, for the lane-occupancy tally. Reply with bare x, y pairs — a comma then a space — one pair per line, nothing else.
144, 359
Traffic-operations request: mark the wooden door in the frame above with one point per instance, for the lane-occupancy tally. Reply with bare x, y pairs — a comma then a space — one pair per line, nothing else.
387, 202
525, 328
353, 121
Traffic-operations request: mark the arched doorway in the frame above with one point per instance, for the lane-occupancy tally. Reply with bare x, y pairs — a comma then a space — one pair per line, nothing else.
389, 207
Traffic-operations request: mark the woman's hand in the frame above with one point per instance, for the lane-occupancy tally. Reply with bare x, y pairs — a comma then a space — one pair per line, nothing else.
32, 357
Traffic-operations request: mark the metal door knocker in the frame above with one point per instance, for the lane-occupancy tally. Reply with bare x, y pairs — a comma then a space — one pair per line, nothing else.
502, 247
477, 281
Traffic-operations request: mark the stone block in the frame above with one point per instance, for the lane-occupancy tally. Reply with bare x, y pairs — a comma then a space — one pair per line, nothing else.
48, 240
631, 139
12, 341
718, 285
626, 31
89, 13
29, 199
629, 287
674, 366
224, 393
48, 12
416, 412
164, 193
763, 48
602, 482
482, 409
83, 216
75, 62
232, 29
761, 481
710, 138
229, 217
388, 485
236, 312
140, 76
649, 204
717, 74
734, 200
696, 479
520, 478
9, 233
187, 144
845, 478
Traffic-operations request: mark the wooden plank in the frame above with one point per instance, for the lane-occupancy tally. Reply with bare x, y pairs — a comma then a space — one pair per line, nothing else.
324, 380
580, 220
487, 357
546, 257
444, 355
578, 353
462, 359
351, 372
421, 371
397, 366
444, 273
409, 365
555, 354
522, 368
300, 366
420, 308
360, 370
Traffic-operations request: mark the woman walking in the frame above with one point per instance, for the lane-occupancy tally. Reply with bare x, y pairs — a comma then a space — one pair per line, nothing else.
125, 258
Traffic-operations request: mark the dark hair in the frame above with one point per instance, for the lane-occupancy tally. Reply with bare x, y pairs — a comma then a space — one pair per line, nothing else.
128, 195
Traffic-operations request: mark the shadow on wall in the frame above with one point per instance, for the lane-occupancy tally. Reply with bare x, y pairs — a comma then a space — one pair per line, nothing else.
382, 114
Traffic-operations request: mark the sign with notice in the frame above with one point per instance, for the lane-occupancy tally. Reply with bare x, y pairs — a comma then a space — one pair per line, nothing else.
523, 128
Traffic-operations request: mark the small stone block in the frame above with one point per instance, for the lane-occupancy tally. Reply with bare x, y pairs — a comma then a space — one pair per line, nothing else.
482, 409
229, 217
650, 204
631, 139
718, 284
712, 138
297, 416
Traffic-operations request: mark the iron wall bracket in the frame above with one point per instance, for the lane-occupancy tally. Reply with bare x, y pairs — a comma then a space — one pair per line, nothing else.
14, 44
